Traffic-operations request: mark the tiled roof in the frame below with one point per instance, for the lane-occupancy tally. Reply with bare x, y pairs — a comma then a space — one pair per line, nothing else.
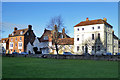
46, 33
91, 22
49, 33
66, 41
17, 32
4, 39
115, 37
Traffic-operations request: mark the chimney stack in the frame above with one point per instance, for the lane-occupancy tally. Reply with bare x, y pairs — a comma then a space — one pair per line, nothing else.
63, 30
105, 19
30, 27
113, 32
55, 27
15, 28
87, 19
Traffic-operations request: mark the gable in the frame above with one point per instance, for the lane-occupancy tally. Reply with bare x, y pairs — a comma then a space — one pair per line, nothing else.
20, 32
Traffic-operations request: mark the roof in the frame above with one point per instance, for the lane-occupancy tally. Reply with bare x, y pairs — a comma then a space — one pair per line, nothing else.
48, 33
115, 37
4, 39
66, 41
17, 32
91, 22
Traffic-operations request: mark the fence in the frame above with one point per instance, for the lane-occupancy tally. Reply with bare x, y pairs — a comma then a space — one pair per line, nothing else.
81, 57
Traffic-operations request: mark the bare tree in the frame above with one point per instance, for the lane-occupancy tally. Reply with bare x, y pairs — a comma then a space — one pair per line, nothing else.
56, 24
58, 21
96, 42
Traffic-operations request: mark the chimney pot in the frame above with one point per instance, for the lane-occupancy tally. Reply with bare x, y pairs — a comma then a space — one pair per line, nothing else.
105, 19
15, 28
30, 27
63, 30
87, 19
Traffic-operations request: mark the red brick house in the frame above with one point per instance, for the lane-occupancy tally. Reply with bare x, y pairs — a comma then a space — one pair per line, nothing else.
19, 39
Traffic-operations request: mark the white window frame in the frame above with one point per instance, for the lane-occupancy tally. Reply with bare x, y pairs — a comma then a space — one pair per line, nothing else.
20, 47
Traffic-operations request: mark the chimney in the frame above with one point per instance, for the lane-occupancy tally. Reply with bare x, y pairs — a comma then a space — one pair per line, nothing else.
63, 30
113, 32
15, 28
55, 27
9, 35
87, 19
30, 27
105, 19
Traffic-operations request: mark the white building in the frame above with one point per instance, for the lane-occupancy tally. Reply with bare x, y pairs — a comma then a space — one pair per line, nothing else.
4, 43
93, 35
31, 46
116, 44
65, 45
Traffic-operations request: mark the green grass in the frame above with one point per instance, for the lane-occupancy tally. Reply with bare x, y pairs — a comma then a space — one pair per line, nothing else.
20, 67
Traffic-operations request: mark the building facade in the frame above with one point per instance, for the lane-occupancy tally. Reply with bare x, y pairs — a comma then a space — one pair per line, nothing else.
93, 35
19, 39
116, 44
4, 45
65, 45
46, 41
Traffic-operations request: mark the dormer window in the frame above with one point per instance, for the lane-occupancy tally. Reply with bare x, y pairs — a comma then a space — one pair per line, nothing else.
61, 36
3, 41
45, 37
21, 32
27, 33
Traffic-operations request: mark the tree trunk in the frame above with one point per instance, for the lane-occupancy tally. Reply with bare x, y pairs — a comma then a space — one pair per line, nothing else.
56, 49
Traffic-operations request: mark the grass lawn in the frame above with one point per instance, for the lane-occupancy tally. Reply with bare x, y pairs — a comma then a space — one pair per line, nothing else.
20, 67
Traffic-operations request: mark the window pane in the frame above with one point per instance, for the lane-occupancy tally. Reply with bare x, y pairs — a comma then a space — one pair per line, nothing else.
82, 28
92, 36
98, 27
99, 36
77, 48
77, 39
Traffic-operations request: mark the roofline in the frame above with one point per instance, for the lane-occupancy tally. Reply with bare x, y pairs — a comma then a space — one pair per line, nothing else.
16, 35
93, 24
87, 25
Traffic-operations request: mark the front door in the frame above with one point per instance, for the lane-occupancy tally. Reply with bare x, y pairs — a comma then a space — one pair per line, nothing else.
86, 49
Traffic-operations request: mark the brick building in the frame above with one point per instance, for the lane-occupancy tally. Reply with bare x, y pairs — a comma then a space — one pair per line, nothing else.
46, 43
19, 39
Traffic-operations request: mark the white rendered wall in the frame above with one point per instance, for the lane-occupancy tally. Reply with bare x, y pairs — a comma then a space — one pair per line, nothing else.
116, 49
86, 35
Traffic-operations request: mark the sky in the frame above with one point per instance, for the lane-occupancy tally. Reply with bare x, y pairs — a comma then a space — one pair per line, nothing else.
38, 14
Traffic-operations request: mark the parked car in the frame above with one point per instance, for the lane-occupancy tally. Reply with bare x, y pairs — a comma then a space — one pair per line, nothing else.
118, 54
15, 53
67, 53
86, 54
108, 53
24, 53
